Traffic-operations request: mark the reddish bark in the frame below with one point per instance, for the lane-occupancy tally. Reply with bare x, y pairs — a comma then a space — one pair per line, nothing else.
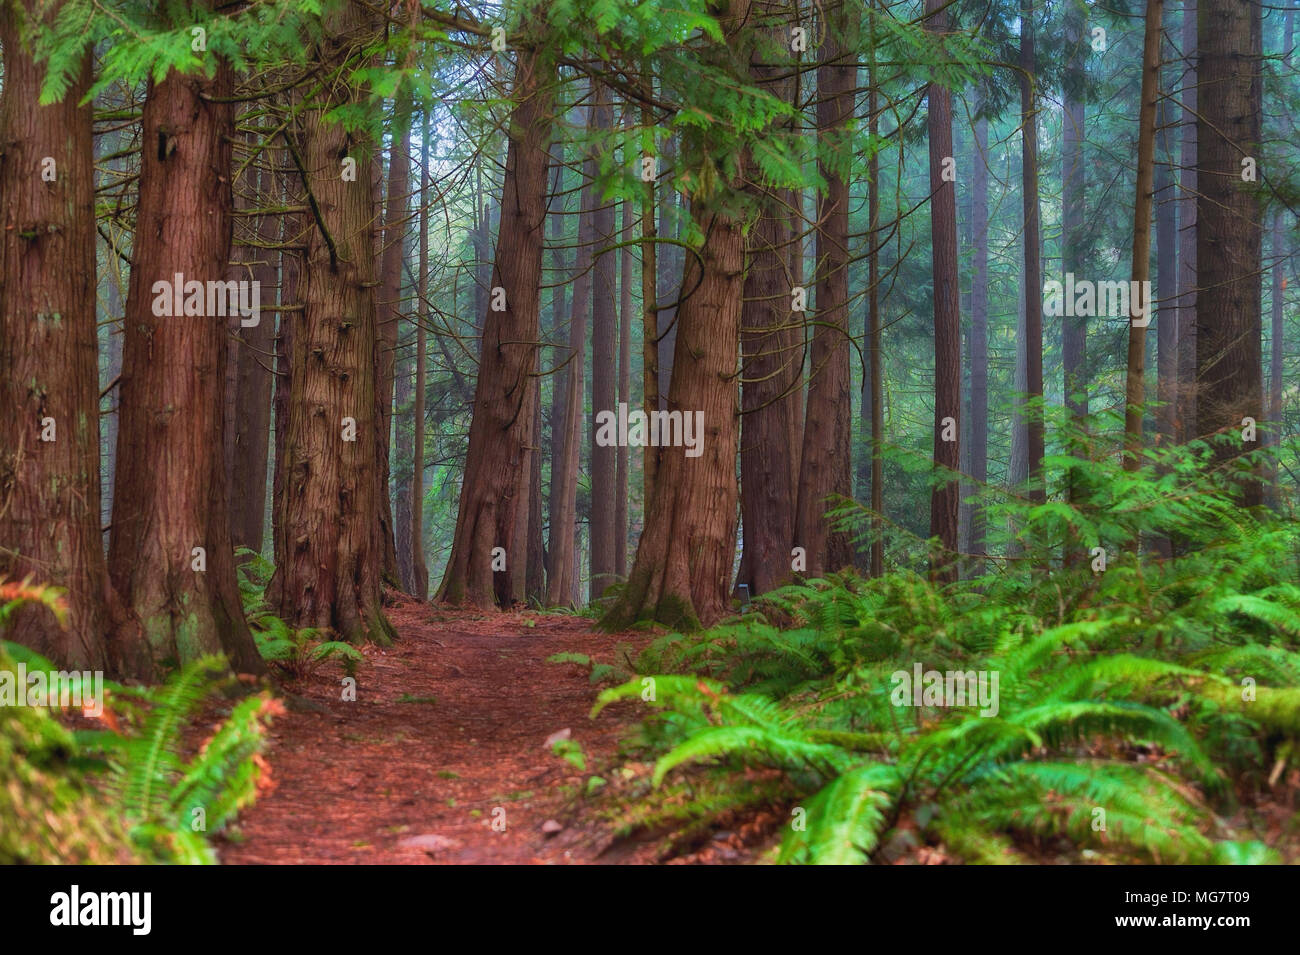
171, 495
49, 489
503, 397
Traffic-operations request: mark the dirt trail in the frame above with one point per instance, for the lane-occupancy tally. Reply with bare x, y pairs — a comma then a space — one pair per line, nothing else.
449, 724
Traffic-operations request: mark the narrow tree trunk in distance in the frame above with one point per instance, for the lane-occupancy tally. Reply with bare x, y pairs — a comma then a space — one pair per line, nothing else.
670, 261
1134, 392
516, 573
826, 464
404, 458
944, 499
1166, 283
965, 242
110, 342
1281, 258
49, 489
1276, 351
389, 313
1164, 305
171, 495
624, 390
535, 574
563, 582
419, 570
559, 380
1185, 413
1033, 291
1074, 329
1074, 253
109, 379
979, 340
289, 187
253, 353
874, 332
649, 317
1018, 463
604, 369
502, 400
772, 354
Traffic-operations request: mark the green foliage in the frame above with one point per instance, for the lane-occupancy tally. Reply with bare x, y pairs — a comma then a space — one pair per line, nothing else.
49, 811
26, 593
600, 672
1121, 698
294, 652
161, 805
173, 803
570, 750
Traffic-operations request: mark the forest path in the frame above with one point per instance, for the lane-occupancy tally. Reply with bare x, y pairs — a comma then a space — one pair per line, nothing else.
449, 724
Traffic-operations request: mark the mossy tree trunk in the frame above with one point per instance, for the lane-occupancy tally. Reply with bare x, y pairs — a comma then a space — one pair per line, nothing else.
170, 497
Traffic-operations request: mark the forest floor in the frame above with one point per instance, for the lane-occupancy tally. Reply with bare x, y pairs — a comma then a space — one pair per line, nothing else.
448, 732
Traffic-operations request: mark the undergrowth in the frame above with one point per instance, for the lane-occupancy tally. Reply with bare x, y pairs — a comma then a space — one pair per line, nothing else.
1138, 706
130, 789
295, 653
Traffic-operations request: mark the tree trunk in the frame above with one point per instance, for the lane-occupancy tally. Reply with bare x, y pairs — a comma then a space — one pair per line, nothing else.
1281, 258
49, 489
1135, 387
944, 499
627, 261
1033, 290
1228, 322
604, 369
1185, 412
1277, 350
1166, 283
503, 397
979, 335
682, 572
171, 495
1074, 329
825, 469
333, 542
289, 187
772, 349
419, 570
563, 581
559, 376
404, 460
649, 314
1018, 462
253, 355
874, 328
535, 574
396, 213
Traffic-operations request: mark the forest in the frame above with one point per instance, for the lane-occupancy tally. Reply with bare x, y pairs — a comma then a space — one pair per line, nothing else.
649, 431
